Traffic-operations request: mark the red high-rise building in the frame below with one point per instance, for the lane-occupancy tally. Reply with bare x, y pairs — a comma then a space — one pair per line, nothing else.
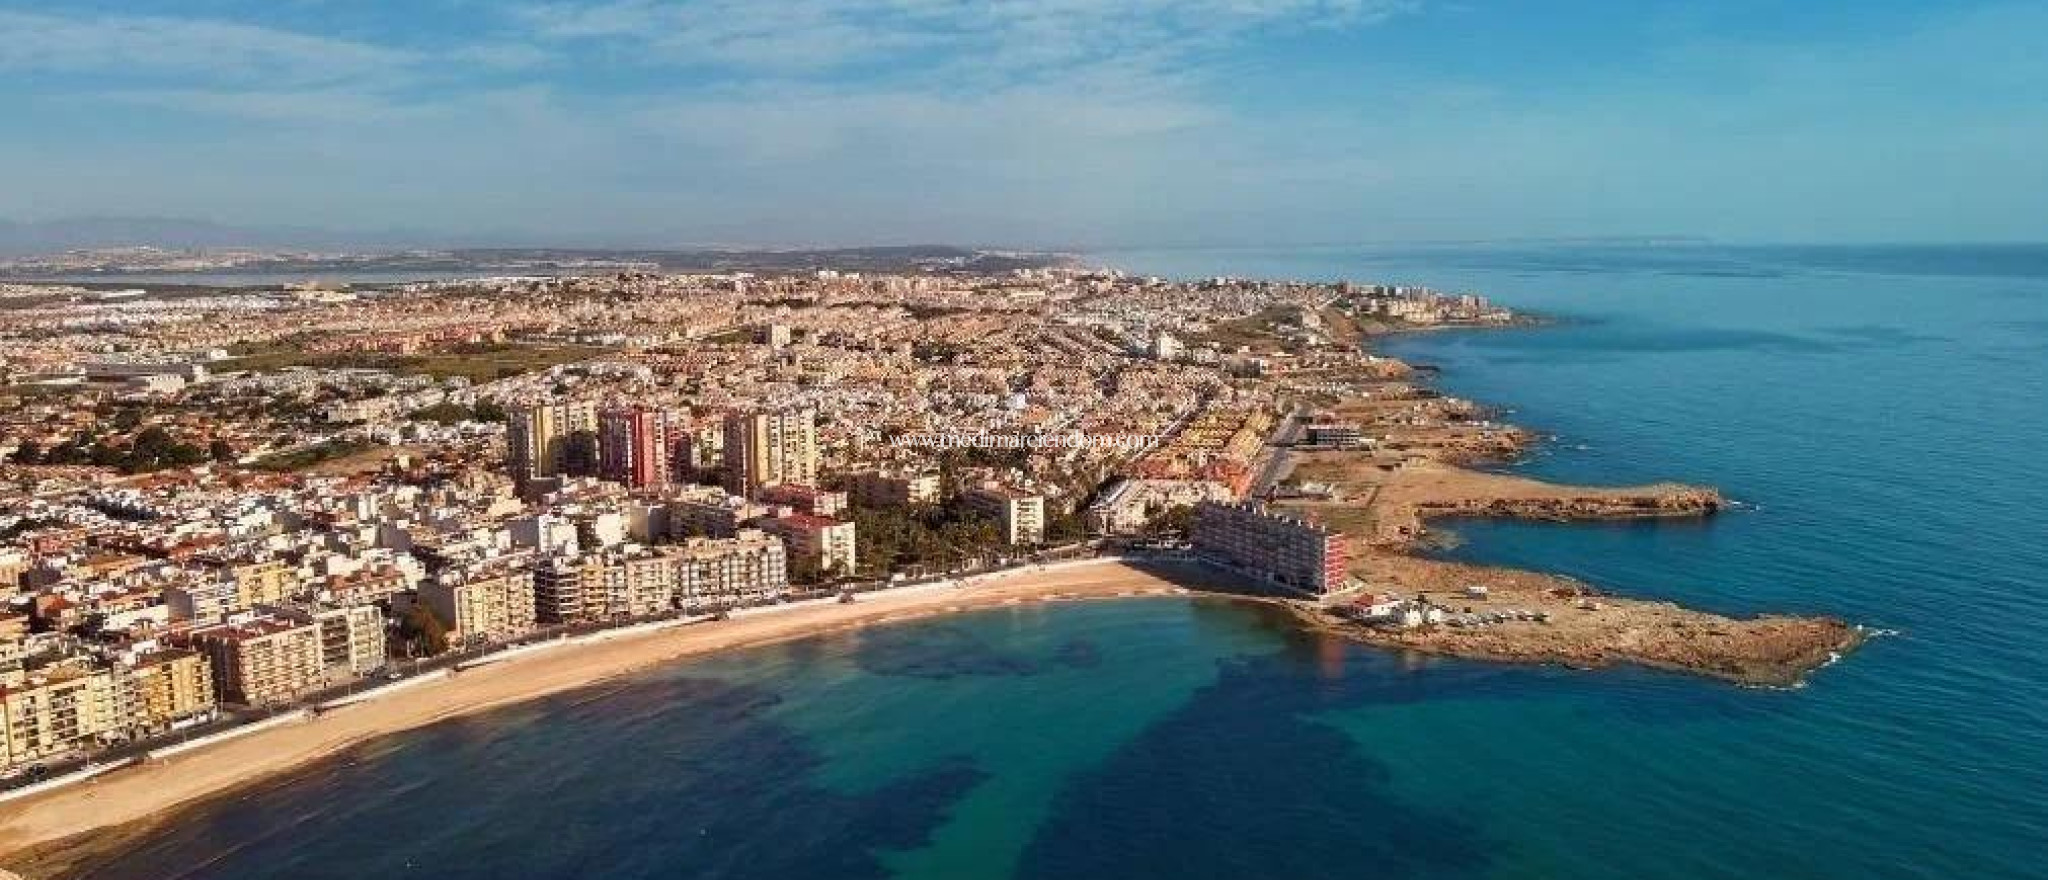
633, 445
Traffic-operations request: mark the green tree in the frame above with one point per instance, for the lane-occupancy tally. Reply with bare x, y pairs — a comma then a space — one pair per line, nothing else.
422, 633
1173, 521
1065, 528
153, 449
892, 539
444, 413
805, 570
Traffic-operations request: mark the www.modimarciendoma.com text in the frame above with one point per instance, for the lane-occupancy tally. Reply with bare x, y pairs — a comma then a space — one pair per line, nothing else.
1026, 441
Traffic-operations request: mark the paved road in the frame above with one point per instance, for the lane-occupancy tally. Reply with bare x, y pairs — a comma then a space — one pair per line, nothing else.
1285, 434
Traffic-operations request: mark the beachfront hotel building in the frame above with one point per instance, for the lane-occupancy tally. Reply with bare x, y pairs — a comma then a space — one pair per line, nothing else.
260, 660
639, 583
55, 710
633, 582
749, 568
482, 606
1021, 515
1339, 434
352, 642
1273, 545
827, 543
568, 589
172, 686
767, 448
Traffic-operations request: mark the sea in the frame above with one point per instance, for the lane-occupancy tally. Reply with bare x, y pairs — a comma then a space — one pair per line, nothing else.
1880, 413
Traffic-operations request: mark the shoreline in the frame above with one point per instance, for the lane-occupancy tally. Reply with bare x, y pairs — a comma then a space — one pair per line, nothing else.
50, 833
1439, 457
1321, 625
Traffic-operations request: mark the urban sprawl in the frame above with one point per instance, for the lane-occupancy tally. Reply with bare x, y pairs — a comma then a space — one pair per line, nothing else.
217, 503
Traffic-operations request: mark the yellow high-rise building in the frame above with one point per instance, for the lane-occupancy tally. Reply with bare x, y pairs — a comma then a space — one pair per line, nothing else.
540, 438
171, 686
56, 710
536, 442
770, 448
260, 662
484, 606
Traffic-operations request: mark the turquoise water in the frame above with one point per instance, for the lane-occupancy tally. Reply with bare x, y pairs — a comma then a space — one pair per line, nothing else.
1880, 412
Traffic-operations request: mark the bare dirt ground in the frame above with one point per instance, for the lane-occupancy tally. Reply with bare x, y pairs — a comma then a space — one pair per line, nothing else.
1386, 503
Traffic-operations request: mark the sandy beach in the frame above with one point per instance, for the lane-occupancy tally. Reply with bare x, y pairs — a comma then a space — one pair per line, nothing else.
1382, 498
42, 835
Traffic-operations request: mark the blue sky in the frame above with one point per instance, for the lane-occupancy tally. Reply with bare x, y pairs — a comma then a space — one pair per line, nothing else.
1070, 123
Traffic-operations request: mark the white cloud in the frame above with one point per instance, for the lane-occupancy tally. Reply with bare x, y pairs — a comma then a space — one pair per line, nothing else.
128, 46
1022, 121
997, 37
339, 107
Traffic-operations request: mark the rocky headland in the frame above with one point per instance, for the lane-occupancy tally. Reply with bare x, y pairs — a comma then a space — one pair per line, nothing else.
1420, 464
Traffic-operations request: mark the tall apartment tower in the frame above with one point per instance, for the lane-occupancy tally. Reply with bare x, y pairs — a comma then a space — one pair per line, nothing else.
1272, 544
633, 445
540, 437
770, 448
1021, 515
535, 442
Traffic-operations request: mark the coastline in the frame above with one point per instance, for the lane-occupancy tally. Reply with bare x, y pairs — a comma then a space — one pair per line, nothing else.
52, 833
1767, 651
1427, 467
1442, 457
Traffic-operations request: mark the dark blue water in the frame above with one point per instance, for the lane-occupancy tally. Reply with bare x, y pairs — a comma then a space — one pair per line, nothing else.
1883, 412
